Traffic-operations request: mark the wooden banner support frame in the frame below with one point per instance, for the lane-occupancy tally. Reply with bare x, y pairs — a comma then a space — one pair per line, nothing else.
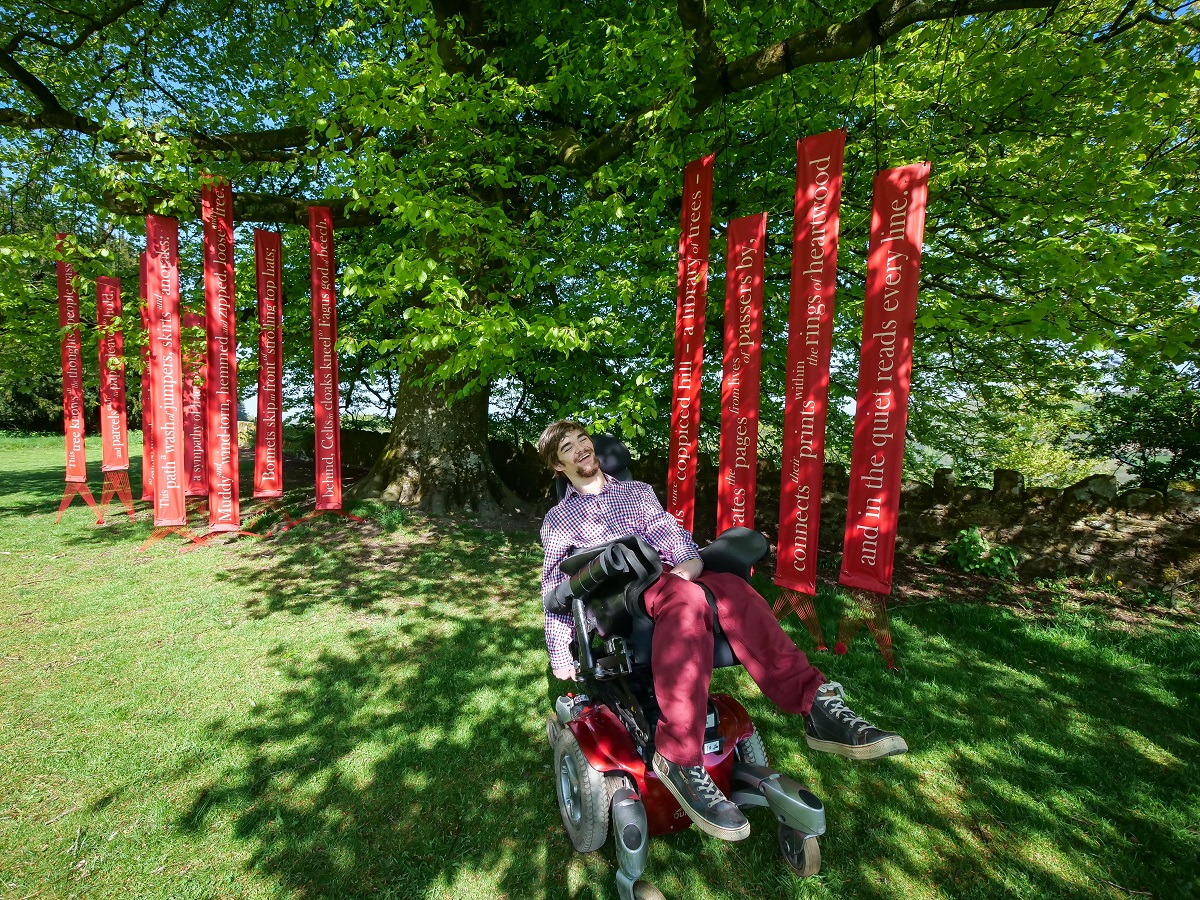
317, 513
870, 609
81, 489
802, 605
163, 530
264, 508
203, 540
116, 483
288, 521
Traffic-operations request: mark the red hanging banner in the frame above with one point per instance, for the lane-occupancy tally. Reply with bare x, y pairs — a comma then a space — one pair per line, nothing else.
690, 298
881, 414
819, 161
195, 410
72, 368
738, 468
166, 369
147, 394
268, 440
221, 435
325, 361
113, 435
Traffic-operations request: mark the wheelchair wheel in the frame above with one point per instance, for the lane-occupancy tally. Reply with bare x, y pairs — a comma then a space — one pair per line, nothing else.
552, 730
582, 795
644, 890
751, 750
801, 851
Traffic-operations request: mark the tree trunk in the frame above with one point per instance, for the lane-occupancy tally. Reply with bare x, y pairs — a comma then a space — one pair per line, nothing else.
436, 458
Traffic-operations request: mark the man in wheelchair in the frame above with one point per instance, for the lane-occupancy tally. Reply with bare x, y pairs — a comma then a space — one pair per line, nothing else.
597, 508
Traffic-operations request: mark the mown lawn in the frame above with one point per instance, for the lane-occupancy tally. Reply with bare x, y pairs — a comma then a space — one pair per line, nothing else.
357, 710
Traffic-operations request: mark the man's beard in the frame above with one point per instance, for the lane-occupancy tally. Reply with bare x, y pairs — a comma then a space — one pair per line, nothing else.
588, 467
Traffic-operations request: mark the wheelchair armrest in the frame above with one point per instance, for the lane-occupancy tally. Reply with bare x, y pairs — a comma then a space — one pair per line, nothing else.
611, 559
612, 564
734, 551
611, 578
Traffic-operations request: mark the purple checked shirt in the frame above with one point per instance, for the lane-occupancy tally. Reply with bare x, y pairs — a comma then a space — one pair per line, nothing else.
585, 520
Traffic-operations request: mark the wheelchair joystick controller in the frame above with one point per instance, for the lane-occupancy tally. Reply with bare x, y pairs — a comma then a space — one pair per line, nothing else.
568, 708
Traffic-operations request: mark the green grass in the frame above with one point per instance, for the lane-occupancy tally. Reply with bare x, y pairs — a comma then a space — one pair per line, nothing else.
350, 710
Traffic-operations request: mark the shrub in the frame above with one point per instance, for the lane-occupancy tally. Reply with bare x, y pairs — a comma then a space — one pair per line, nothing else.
972, 552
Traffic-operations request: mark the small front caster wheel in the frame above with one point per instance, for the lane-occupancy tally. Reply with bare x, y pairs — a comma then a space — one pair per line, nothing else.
644, 890
552, 729
801, 851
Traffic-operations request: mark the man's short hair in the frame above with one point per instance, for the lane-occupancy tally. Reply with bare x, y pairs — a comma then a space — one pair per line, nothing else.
552, 437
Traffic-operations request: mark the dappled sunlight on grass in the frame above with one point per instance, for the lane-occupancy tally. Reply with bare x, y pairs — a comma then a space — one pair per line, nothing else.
357, 710
1151, 751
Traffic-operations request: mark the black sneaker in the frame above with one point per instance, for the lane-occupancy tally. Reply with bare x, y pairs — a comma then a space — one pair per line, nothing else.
833, 727
702, 800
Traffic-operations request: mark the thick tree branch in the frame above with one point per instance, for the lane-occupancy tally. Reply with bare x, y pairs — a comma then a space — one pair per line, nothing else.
847, 40
693, 15
53, 115
268, 145
263, 209
93, 26
1118, 27
251, 146
829, 43
257, 146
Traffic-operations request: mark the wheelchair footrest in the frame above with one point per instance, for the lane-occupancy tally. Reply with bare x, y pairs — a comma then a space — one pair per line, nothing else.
789, 801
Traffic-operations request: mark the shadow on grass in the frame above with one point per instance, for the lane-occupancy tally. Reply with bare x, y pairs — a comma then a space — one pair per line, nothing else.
1050, 759
39, 488
414, 758
33, 490
1053, 752
1054, 759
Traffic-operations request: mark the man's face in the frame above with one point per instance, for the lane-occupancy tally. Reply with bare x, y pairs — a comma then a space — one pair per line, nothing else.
576, 456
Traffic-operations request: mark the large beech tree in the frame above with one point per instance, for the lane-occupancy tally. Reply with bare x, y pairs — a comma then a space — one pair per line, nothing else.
512, 172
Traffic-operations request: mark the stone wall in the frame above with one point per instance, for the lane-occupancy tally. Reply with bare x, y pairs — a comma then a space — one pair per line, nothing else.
359, 448
1139, 536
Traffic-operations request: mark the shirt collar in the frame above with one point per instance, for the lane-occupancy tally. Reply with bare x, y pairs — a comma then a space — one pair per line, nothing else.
571, 492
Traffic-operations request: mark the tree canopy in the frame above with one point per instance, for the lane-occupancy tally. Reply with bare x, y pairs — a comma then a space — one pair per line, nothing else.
507, 176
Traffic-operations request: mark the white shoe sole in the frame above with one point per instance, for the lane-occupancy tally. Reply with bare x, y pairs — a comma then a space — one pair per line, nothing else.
725, 834
889, 746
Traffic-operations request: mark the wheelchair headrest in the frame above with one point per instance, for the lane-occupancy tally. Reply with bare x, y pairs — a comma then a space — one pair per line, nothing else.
613, 457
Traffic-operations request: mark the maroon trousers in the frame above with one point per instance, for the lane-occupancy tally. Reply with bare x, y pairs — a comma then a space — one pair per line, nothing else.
682, 656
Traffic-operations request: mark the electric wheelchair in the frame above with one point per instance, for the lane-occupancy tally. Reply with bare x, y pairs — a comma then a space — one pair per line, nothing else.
603, 737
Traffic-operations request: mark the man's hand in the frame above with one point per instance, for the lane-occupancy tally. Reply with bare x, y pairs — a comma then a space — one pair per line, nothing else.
689, 570
567, 673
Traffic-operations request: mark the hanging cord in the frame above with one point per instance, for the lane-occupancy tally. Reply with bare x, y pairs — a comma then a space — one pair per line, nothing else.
687, 142
787, 58
875, 96
723, 153
857, 81
946, 34
795, 105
